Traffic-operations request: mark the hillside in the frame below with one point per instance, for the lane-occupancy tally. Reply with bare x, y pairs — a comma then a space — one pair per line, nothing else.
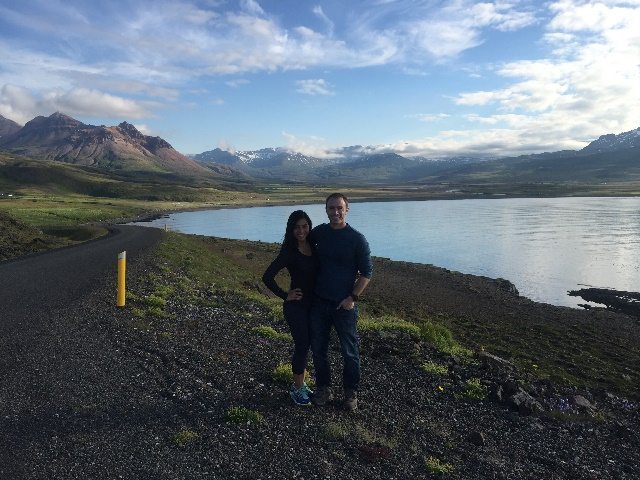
20, 174
120, 148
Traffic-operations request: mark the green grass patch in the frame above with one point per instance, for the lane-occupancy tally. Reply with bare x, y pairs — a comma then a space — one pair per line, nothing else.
155, 301
474, 390
389, 323
442, 339
436, 466
435, 368
242, 415
283, 374
270, 332
185, 437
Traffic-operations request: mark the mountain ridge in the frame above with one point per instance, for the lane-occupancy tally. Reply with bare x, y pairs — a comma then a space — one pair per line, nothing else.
123, 148
62, 138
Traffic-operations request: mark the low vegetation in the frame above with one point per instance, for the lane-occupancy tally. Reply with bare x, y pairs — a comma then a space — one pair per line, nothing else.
242, 415
185, 437
435, 368
474, 389
437, 467
270, 332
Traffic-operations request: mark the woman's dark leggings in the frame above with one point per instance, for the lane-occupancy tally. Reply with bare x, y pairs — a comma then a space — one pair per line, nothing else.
297, 316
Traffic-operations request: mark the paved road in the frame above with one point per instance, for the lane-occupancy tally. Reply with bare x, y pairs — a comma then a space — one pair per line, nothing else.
59, 278
63, 371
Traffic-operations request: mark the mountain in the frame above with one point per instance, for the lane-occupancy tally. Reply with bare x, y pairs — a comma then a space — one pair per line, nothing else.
267, 163
611, 142
119, 148
587, 166
7, 127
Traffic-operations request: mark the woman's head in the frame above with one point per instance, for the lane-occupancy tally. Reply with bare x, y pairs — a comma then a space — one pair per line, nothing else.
298, 228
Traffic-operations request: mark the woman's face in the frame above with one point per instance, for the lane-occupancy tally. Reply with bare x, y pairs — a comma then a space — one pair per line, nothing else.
301, 230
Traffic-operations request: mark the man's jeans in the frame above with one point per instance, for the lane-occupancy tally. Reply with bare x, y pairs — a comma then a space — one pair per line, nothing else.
323, 316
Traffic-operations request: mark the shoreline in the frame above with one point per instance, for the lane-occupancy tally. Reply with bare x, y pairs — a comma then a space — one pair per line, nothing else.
561, 297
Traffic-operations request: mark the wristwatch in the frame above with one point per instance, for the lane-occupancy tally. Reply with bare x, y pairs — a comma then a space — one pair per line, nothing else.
355, 297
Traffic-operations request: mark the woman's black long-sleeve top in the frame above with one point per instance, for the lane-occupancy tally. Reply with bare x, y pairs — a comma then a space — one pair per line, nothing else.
302, 270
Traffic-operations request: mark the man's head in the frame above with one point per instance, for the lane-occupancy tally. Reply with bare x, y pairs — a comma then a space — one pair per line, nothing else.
337, 206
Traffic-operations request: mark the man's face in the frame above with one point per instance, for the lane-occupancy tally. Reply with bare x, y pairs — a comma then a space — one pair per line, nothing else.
337, 212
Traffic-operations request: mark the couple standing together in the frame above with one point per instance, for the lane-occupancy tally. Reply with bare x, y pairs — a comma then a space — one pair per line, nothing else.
330, 266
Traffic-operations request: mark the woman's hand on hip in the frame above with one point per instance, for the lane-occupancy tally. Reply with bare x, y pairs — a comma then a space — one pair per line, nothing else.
295, 294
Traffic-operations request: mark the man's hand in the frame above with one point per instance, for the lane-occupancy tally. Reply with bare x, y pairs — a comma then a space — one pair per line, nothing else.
295, 294
347, 304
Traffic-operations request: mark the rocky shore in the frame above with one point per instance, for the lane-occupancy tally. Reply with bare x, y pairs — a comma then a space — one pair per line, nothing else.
185, 383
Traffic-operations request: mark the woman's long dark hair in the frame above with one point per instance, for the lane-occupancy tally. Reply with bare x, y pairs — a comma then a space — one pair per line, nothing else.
289, 242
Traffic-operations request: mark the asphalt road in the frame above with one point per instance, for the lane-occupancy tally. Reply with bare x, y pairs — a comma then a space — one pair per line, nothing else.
58, 278
63, 372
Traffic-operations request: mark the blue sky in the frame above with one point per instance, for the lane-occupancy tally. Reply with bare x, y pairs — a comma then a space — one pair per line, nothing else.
415, 77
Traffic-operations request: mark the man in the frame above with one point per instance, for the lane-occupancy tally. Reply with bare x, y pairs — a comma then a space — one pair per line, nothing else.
344, 271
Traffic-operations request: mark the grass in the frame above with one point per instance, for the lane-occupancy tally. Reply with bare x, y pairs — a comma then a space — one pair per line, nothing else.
388, 323
185, 437
242, 415
270, 332
437, 467
434, 368
474, 390
442, 339
284, 375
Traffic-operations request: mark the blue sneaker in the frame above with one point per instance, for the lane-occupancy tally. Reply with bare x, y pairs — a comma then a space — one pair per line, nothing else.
307, 389
300, 395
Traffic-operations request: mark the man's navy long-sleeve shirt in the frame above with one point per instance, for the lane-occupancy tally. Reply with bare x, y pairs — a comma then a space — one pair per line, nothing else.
342, 254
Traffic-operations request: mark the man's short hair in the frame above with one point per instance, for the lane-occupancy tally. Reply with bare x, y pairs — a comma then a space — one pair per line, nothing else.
337, 195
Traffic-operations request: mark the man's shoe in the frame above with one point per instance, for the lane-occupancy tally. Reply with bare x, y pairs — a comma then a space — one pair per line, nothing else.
299, 396
322, 396
350, 402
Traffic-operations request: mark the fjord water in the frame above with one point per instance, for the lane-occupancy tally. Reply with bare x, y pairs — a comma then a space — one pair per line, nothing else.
545, 246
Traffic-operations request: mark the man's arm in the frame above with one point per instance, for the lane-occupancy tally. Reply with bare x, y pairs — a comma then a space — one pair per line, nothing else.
358, 288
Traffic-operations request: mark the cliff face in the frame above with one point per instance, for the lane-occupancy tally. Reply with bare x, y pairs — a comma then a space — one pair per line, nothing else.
62, 138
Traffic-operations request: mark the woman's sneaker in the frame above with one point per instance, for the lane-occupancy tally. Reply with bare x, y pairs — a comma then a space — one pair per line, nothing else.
300, 395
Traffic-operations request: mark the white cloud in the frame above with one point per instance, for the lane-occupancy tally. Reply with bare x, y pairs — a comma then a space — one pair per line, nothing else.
312, 146
447, 32
252, 7
582, 90
430, 117
316, 86
237, 83
21, 105
318, 12
226, 145
142, 128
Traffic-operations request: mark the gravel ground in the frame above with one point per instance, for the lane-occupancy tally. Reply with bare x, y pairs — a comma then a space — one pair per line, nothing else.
123, 397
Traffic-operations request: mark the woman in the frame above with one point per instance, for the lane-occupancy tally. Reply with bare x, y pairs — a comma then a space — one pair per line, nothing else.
296, 255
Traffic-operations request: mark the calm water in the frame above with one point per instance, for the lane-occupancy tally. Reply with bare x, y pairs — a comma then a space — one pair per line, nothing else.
544, 246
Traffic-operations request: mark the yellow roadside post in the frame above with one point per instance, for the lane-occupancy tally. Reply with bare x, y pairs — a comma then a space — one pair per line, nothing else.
122, 269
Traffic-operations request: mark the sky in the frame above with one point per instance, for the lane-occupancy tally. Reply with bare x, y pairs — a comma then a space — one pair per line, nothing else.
429, 78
